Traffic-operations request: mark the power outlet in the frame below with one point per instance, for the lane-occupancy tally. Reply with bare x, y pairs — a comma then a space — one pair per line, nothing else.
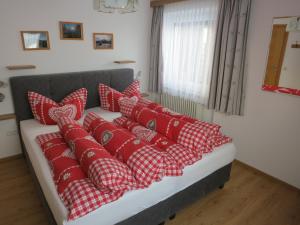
11, 133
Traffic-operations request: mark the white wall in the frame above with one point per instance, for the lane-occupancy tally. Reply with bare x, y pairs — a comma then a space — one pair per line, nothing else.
131, 34
268, 136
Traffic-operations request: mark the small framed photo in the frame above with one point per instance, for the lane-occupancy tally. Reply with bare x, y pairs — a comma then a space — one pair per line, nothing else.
71, 30
103, 41
35, 40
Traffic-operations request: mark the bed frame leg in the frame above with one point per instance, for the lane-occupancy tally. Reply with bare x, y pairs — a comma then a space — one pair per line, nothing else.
221, 186
172, 217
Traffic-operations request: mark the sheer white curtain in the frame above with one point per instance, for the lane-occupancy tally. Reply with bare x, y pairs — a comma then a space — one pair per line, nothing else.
188, 37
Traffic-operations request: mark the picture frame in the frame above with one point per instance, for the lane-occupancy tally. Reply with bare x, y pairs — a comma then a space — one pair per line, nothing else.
103, 41
71, 30
35, 40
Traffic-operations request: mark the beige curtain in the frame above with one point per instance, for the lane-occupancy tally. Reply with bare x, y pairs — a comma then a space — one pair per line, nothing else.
227, 90
155, 74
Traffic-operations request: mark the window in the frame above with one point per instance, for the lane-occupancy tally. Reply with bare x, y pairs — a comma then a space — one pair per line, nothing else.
188, 37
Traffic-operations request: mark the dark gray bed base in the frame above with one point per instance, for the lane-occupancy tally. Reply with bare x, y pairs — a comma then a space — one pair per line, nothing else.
56, 86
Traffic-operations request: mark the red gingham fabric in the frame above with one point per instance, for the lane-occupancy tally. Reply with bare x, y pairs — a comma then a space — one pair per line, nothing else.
133, 89
103, 169
183, 156
109, 97
78, 193
126, 106
42, 139
47, 111
147, 163
215, 139
218, 140
197, 138
145, 102
81, 197
192, 137
65, 170
209, 127
88, 120
123, 121
54, 146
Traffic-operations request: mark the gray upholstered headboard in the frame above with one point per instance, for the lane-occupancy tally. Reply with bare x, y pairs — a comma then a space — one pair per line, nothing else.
57, 86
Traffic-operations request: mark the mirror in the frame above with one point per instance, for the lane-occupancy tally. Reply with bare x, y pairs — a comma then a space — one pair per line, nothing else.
35, 40
283, 65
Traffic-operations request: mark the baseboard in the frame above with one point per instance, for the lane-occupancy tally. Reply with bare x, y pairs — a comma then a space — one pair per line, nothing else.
266, 175
10, 158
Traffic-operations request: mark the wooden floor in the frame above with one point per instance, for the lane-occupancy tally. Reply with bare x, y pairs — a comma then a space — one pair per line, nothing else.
249, 198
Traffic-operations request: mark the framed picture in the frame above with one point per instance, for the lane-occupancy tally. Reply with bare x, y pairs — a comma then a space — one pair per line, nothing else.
71, 31
103, 41
35, 40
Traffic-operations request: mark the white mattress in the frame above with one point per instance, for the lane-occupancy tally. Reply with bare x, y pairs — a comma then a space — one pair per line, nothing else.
132, 202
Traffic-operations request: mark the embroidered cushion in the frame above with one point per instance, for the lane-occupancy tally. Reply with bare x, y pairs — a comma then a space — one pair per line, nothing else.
104, 170
198, 138
133, 89
79, 194
213, 129
182, 155
127, 105
47, 111
146, 162
109, 97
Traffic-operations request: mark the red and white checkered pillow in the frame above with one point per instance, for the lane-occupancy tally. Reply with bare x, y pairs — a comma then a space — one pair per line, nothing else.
47, 111
78, 193
133, 89
198, 138
82, 197
183, 156
212, 128
63, 164
147, 163
110, 97
104, 170
126, 106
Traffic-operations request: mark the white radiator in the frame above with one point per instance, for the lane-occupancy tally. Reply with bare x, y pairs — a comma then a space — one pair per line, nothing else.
183, 106
179, 105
